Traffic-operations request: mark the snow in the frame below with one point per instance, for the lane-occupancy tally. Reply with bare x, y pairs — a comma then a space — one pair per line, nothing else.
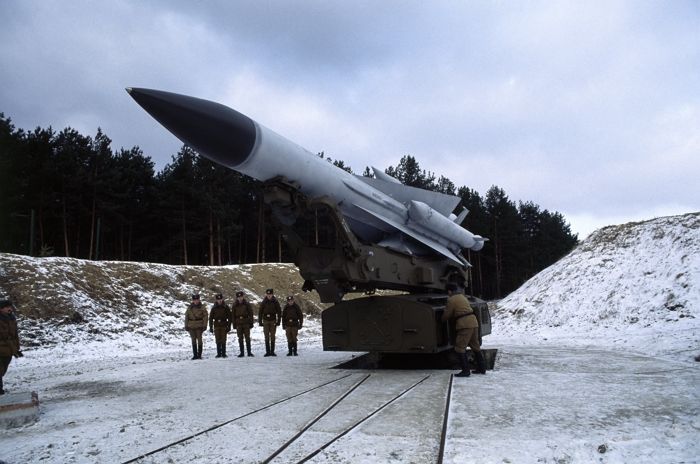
541, 404
595, 364
633, 286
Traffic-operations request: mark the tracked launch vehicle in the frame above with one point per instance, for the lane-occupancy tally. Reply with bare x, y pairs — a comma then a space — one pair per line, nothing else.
377, 234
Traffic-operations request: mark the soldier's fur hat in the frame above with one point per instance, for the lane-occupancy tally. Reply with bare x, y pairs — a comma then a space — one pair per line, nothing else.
290, 298
195, 296
6, 303
219, 296
269, 291
239, 294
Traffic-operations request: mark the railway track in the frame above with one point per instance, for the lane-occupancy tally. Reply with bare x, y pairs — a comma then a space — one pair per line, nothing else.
371, 409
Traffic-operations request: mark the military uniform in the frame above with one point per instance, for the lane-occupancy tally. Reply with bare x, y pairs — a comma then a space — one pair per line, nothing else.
196, 324
243, 321
9, 339
292, 320
269, 317
220, 324
467, 330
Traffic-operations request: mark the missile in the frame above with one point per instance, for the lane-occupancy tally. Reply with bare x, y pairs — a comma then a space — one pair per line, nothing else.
378, 210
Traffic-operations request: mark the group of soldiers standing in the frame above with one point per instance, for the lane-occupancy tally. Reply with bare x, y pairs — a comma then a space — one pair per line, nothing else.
240, 316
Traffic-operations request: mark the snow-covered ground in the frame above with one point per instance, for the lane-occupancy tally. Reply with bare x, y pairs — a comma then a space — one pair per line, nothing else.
596, 364
556, 404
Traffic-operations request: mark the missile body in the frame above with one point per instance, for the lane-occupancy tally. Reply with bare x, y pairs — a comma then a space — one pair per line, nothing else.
377, 210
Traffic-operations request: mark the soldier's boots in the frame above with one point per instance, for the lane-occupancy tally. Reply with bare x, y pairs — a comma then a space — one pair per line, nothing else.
464, 362
223, 350
272, 347
289, 349
480, 363
218, 350
247, 344
2, 390
240, 346
194, 351
267, 348
199, 352
294, 349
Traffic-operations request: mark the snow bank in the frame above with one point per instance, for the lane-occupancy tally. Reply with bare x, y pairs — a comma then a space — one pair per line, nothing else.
633, 285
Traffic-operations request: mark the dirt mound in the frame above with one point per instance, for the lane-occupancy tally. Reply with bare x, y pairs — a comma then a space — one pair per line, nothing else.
104, 298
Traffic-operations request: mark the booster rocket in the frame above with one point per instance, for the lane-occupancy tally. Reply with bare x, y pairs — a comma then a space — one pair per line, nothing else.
378, 210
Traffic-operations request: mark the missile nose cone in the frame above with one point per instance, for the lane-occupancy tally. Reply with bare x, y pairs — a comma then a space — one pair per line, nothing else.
215, 131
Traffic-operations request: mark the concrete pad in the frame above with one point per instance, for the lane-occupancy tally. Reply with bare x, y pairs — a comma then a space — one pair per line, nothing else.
17, 409
446, 360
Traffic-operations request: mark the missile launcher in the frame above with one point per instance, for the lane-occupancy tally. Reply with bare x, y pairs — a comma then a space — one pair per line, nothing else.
387, 236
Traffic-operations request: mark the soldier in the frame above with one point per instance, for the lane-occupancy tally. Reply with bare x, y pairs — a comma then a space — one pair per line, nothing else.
196, 324
467, 328
292, 320
243, 321
9, 338
269, 316
220, 324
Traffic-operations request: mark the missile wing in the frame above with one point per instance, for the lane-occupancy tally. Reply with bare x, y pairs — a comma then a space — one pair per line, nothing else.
442, 203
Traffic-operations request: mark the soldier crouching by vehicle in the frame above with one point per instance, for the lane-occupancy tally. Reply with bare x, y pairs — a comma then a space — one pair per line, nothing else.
9, 338
292, 320
220, 324
196, 324
467, 329
269, 315
243, 321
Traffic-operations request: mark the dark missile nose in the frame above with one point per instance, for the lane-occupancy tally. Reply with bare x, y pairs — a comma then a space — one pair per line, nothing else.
215, 131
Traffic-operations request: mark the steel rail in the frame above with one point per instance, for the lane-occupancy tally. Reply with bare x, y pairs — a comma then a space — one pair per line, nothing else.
356, 424
189, 437
443, 434
314, 420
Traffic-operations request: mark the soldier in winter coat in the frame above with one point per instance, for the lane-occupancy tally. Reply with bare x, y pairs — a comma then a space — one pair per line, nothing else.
292, 320
269, 317
220, 324
243, 320
196, 324
9, 338
467, 328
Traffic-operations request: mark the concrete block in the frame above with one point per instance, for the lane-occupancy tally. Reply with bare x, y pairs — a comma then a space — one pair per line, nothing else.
17, 409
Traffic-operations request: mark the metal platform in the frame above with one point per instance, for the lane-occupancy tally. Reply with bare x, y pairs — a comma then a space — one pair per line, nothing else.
444, 360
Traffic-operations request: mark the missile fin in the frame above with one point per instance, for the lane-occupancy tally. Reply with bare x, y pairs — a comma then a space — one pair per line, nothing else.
381, 175
440, 202
462, 216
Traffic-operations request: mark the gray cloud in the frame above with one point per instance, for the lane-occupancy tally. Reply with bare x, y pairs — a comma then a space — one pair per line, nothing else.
588, 108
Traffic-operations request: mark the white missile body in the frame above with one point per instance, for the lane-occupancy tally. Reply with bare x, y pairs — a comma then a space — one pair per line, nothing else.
381, 210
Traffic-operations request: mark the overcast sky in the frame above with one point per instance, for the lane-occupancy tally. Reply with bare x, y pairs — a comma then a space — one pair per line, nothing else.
589, 108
